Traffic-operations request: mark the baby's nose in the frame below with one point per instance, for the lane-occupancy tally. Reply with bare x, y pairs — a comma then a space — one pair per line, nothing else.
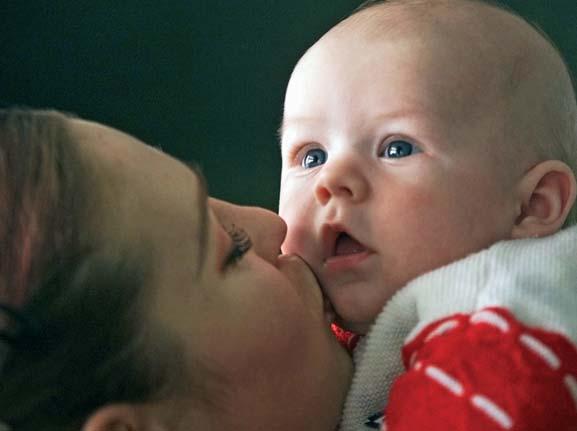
341, 179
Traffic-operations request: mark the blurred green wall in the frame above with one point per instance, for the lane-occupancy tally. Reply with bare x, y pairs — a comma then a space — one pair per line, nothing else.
203, 79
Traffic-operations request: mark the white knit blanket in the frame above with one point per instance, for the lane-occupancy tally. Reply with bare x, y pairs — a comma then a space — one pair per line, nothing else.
536, 279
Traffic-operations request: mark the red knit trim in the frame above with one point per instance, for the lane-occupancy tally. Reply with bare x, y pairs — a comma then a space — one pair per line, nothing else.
482, 372
347, 339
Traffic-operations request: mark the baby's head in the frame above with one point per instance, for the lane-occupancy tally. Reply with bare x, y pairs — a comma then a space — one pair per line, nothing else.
418, 132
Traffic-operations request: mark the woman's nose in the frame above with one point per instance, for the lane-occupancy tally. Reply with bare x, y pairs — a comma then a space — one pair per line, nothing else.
265, 229
341, 179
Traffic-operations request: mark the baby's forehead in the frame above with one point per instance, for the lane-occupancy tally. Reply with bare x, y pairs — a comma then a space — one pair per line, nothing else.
435, 45
482, 44
511, 62
482, 57
448, 21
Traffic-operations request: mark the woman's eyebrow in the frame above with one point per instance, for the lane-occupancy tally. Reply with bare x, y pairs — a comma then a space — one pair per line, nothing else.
202, 203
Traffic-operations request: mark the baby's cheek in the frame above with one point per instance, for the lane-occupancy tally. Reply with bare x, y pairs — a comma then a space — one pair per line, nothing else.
296, 210
297, 238
288, 200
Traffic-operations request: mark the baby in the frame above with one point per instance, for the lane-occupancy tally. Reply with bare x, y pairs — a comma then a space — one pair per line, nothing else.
417, 133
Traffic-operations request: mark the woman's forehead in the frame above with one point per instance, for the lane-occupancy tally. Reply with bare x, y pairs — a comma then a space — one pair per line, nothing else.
124, 156
141, 189
110, 144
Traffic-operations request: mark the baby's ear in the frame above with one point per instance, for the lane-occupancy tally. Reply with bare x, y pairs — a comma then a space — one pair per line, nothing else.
547, 193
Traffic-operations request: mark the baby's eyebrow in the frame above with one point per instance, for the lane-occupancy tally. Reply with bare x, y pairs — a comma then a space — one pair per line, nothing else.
296, 121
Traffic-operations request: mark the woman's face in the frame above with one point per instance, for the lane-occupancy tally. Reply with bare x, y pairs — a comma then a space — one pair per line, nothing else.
255, 319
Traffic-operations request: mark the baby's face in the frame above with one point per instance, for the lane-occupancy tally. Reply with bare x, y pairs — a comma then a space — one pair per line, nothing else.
394, 163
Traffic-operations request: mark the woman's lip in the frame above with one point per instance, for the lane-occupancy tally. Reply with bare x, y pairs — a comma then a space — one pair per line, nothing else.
346, 261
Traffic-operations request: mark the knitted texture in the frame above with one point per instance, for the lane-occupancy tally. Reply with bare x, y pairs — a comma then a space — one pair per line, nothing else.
530, 284
484, 372
347, 339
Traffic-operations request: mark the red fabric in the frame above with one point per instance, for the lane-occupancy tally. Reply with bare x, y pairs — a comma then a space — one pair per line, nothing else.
524, 375
347, 339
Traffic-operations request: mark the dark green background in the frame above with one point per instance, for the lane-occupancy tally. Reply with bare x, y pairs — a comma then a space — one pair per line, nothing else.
204, 79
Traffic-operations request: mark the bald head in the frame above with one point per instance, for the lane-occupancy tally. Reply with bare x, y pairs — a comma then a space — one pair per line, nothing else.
427, 131
496, 63
492, 52
526, 67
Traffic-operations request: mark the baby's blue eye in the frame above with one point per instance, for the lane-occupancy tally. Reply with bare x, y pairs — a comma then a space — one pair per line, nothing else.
314, 158
399, 149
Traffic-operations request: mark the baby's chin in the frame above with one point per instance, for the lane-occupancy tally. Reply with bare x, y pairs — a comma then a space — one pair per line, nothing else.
350, 324
358, 317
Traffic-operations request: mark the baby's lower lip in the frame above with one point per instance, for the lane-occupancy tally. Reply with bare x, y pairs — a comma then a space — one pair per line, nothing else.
345, 261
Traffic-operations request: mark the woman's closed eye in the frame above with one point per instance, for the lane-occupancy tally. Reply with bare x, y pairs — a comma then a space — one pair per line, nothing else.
240, 245
399, 149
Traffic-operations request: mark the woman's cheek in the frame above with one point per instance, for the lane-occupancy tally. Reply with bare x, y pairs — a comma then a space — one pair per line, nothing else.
303, 281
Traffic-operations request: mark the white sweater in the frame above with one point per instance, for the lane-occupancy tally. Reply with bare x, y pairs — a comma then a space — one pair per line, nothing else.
533, 284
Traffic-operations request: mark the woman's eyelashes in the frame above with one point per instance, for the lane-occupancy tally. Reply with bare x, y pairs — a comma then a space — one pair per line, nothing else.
398, 149
240, 244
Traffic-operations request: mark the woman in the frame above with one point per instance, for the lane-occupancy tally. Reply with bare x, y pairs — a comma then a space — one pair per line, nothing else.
129, 300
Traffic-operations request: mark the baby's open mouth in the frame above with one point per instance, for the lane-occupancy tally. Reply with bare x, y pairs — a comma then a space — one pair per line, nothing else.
346, 244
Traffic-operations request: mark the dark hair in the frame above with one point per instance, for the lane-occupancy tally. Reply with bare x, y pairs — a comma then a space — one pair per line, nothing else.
76, 338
